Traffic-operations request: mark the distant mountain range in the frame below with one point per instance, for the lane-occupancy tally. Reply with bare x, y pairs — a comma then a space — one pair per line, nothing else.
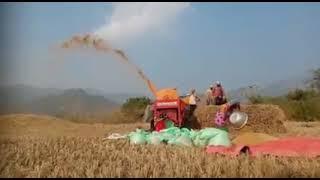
277, 88
91, 102
55, 102
116, 97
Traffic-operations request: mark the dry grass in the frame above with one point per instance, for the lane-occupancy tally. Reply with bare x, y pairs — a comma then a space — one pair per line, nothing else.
35, 125
35, 146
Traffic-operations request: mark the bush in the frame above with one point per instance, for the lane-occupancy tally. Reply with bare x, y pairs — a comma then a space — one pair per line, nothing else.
299, 110
299, 94
256, 99
299, 105
134, 107
296, 95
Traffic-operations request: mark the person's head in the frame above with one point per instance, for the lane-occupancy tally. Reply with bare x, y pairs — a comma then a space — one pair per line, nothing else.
234, 104
218, 84
193, 91
211, 87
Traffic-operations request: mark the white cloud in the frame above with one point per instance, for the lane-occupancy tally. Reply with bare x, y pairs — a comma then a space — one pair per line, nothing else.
131, 20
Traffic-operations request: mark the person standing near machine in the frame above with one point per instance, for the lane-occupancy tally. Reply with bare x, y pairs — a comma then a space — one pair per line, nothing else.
209, 96
189, 111
193, 99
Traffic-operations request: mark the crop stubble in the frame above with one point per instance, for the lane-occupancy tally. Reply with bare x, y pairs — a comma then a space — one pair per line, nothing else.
83, 153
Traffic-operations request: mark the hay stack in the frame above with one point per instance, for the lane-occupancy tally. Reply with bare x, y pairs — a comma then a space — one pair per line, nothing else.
262, 118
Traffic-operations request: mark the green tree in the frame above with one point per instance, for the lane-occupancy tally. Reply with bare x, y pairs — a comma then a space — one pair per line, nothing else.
134, 107
315, 81
296, 95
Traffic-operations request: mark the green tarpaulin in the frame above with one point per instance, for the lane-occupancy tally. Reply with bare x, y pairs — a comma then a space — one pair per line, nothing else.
182, 137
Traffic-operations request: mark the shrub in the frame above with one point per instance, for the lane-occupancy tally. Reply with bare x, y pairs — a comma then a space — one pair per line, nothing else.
296, 95
134, 107
299, 105
257, 99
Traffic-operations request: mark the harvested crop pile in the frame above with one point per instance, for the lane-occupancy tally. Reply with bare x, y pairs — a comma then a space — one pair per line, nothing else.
262, 118
252, 138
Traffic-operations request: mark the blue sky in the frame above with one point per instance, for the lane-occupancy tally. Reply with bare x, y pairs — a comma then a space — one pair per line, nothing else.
236, 43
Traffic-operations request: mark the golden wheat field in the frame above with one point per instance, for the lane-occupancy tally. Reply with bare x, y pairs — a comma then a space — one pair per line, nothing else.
41, 146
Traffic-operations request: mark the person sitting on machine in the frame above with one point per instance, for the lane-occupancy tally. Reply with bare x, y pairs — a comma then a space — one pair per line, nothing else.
218, 94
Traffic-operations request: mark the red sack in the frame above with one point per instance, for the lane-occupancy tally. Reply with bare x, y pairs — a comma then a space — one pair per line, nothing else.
288, 147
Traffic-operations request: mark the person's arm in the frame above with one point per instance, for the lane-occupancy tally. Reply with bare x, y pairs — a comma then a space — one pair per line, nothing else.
224, 93
213, 91
207, 94
197, 98
237, 107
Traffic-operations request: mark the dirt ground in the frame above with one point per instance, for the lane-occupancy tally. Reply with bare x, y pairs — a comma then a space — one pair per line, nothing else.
42, 146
